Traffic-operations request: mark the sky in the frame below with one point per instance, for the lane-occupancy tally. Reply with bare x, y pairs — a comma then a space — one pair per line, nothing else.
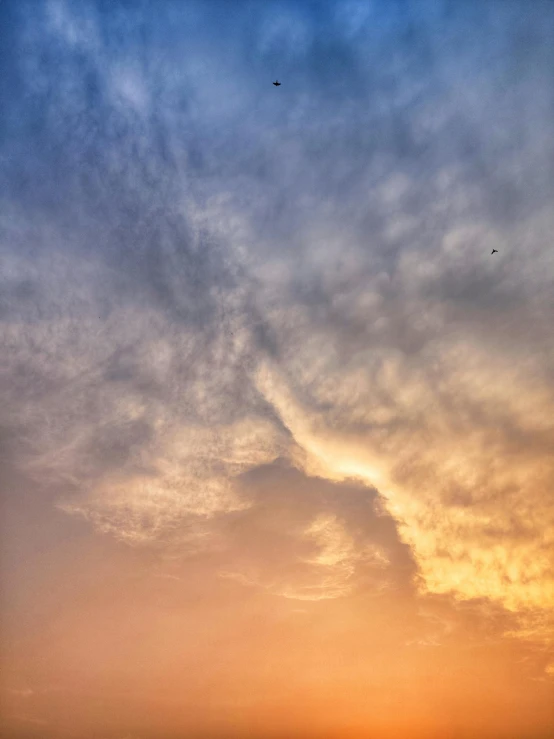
276, 427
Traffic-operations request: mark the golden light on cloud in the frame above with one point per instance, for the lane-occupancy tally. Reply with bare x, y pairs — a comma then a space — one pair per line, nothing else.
476, 527
188, 472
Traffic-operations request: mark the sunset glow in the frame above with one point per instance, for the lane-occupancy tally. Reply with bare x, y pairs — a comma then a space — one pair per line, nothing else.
277, 369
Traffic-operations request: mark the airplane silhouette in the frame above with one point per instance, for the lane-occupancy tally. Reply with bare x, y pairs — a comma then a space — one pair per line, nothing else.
494, 251
276, 83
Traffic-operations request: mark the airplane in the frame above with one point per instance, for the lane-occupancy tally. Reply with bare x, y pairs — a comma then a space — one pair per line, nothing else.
276, 83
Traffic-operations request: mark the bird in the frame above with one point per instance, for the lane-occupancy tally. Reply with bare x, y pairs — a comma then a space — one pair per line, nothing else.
494, 251
276, 83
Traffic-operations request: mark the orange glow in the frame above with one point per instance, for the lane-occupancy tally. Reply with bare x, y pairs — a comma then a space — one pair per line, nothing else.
276, 369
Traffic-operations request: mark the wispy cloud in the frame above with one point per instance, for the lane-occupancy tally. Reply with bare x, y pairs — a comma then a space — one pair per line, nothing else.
200, 277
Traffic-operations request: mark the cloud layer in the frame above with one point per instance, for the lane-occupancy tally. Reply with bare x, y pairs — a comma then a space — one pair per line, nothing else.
202, 275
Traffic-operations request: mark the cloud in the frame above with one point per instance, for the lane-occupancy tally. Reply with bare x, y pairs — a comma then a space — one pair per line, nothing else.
190, 291
470, 485
307, 539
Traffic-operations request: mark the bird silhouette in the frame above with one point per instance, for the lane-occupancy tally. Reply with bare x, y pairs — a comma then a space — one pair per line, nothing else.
494, 251
277, 83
